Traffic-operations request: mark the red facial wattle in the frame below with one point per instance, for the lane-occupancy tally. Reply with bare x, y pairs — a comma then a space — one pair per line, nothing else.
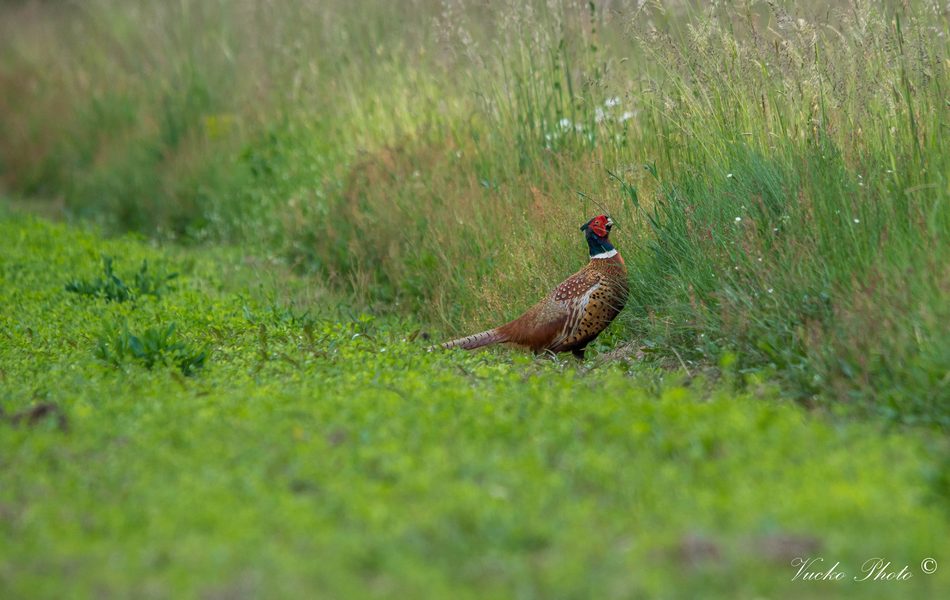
599, 226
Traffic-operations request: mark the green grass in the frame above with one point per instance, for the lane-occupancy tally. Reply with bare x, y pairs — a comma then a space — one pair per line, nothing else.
323, 455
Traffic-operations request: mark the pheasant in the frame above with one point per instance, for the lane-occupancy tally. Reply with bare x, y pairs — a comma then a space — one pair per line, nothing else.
575, 312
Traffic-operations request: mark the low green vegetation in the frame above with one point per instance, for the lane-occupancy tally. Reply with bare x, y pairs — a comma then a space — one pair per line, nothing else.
111, 287
316, 453
155, 346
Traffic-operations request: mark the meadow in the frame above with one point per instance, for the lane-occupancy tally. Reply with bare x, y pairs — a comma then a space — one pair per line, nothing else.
326, 454
319, 190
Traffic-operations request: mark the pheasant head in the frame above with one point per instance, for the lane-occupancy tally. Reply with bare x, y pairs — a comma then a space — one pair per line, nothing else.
597, 231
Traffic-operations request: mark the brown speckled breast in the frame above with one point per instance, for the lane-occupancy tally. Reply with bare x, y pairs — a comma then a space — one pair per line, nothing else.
599, 306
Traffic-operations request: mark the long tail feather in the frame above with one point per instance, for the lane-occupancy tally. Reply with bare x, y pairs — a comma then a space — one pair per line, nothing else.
476, 340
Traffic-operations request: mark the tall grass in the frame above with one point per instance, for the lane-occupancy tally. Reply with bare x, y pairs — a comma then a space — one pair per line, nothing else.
779, 171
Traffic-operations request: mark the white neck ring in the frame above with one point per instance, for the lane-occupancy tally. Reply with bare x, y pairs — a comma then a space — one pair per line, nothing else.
607, 254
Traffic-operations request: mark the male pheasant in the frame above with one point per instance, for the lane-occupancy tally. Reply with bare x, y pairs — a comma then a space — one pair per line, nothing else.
576, 311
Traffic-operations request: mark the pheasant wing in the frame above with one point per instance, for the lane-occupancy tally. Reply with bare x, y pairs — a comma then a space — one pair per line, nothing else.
575, 294
548, 323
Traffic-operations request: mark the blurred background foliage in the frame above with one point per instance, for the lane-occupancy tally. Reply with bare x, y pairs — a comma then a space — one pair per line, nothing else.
779, 170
